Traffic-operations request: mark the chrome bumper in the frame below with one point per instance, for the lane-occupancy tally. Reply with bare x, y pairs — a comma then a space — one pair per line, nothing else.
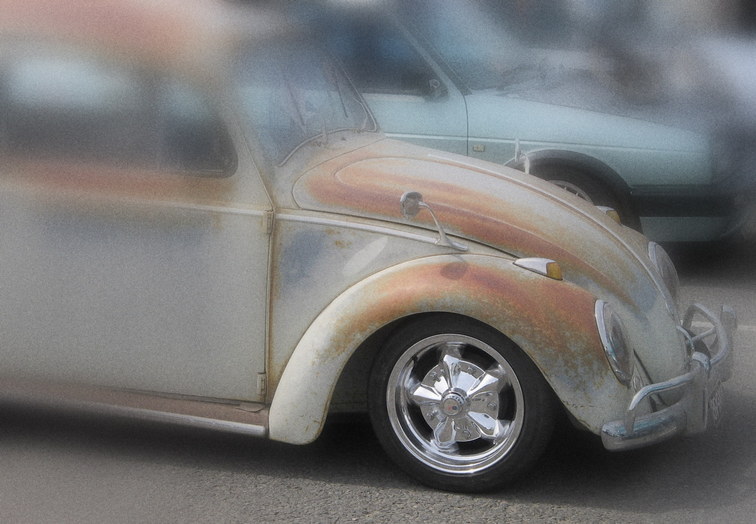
700, 405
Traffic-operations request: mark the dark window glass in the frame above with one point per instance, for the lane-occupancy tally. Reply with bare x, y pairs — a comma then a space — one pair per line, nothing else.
61, 105
379, 58
294, 95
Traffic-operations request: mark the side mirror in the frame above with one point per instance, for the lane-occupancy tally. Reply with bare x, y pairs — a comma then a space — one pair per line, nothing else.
411, 202
436, 89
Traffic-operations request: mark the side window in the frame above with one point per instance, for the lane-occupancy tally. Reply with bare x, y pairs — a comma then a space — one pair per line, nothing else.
192, 138
379, 59
60, 106
83, 109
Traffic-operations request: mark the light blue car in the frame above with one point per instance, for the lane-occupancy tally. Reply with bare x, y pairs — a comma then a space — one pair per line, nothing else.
443, 75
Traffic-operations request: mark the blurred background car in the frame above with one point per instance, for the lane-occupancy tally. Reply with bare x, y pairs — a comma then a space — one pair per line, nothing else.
689, 63
585, 117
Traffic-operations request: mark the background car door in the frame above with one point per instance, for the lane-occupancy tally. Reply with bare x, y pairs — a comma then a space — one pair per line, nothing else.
410, 96
134, 247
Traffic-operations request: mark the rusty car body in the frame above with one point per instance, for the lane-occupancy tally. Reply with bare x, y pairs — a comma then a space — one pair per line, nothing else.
203, 224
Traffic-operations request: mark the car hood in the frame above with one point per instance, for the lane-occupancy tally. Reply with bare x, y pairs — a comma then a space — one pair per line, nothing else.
489, 204
552, 119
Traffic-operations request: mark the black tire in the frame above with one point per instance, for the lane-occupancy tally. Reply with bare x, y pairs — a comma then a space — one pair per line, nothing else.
458, 406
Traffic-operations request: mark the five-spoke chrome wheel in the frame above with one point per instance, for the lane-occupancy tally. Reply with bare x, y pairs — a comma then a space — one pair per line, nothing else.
455, 403
458, 405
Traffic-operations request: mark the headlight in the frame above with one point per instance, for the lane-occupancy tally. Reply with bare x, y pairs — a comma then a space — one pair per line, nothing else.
617, 350
665, 268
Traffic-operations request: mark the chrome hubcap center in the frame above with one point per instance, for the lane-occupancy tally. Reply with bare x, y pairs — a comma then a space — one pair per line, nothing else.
459, 400
452, 404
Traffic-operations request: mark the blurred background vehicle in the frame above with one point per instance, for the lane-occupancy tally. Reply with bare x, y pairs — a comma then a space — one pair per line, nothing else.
579, 93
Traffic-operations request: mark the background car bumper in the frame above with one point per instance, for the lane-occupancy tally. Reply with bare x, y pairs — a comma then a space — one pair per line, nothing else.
687, 213
700, 405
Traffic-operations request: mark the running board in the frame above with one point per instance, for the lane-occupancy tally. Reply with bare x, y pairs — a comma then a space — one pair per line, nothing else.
216, 414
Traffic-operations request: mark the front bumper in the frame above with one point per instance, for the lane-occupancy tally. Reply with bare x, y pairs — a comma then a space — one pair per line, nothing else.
700, 404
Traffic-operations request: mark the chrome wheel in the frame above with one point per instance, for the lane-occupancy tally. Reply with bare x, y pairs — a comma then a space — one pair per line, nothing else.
458, 405
455, 403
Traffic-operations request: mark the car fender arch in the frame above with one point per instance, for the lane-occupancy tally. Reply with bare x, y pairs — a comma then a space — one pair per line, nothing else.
562, 342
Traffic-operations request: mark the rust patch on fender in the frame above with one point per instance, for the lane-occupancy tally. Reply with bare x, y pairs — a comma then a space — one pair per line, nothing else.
523, 307
553, 323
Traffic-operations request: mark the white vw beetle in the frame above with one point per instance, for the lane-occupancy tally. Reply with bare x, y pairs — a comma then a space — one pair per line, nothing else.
202, 224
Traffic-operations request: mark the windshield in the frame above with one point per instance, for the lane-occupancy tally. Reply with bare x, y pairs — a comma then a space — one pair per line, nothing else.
293, 95
474, 45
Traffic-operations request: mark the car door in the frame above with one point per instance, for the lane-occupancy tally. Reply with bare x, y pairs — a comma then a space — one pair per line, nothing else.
134, 240
409, 94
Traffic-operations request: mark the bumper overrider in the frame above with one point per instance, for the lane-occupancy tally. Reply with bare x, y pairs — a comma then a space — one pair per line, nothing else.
700, 405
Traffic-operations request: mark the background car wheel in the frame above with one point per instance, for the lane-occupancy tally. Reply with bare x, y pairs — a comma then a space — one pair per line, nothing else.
579, 184
458, 406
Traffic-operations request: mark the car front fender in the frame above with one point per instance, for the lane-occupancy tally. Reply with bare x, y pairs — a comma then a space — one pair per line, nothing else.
552, 321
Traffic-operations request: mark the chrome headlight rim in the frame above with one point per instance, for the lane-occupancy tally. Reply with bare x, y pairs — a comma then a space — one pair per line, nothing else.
614, 340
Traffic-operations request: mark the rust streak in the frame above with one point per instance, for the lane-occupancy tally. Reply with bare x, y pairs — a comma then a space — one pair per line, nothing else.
56, 177
369, 187
518, 309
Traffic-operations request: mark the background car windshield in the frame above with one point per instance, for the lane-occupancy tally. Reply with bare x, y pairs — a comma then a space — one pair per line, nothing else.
478, 49
293, 95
